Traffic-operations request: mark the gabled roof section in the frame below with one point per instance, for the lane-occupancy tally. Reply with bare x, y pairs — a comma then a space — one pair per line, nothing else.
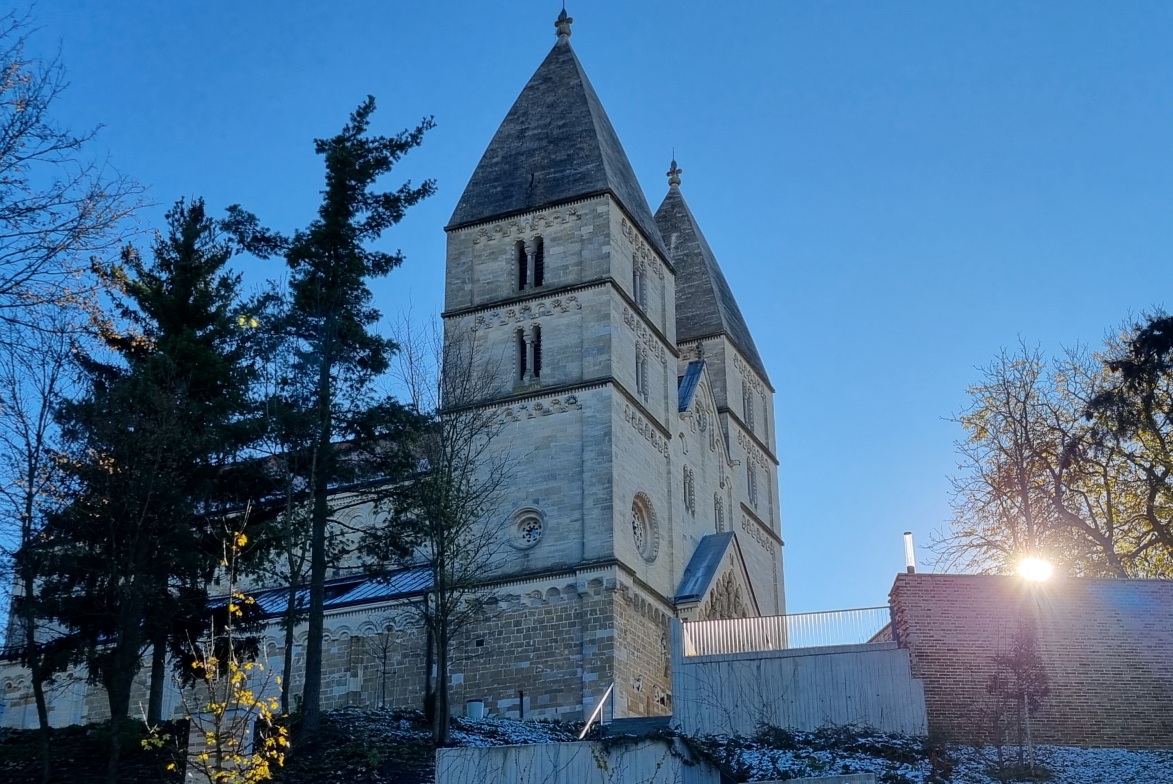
704, 302
555, 145
686, 385
703, 566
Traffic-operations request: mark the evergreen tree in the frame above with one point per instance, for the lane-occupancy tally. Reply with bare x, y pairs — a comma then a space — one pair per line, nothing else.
147, 445
332, 316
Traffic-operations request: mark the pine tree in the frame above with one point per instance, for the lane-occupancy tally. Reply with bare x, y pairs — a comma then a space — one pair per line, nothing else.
147, 445
332, 315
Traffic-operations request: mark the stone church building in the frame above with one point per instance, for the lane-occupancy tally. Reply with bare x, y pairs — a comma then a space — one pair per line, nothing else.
641, 418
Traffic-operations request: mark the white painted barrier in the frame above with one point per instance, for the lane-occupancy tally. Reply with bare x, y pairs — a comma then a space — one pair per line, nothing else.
643, 762
803, 689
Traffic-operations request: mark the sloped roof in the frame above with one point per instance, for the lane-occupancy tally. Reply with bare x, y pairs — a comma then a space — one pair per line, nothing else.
702, 567
686, 385
348, 591
704, 302
555, 145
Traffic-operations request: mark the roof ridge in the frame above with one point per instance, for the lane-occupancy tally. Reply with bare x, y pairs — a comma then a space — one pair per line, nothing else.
705, 304
556, 144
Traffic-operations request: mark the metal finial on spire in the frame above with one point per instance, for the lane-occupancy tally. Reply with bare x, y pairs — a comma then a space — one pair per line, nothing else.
562, 26
674, 175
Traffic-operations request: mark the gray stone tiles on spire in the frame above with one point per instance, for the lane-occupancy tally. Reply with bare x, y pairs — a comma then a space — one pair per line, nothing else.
705, 305
555, 145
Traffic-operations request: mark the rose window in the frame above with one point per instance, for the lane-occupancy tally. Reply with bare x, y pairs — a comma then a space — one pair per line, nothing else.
643, 527
529, 524
529, 531
639, 529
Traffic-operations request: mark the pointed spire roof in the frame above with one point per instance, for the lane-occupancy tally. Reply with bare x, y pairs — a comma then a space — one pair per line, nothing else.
555, 145
704, 302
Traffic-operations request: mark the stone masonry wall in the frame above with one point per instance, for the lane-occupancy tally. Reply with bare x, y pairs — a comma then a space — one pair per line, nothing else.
643, 662
1107, 646
545, 650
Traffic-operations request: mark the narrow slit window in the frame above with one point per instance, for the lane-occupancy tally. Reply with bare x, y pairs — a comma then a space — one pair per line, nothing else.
747, 404
521, 358
522, 266
752, 481
641, 374
537, 352
539, 261
639, 284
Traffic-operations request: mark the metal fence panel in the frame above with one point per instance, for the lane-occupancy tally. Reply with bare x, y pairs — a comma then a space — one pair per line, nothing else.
782, 632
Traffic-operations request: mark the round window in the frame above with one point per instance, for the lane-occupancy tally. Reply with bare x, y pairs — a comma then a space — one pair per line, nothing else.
528, 527
643, 527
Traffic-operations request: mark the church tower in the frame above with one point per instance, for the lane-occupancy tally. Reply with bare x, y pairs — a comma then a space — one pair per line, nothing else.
627, 488
638, 418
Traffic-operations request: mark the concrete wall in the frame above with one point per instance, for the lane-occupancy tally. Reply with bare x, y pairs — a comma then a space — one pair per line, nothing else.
1106, 645
804, 689
647, 762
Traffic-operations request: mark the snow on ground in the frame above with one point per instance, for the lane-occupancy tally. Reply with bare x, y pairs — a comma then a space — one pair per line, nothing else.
1078, 766
377, 746
900, 760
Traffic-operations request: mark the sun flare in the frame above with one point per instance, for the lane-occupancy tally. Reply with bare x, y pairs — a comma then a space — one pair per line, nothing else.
1035, 569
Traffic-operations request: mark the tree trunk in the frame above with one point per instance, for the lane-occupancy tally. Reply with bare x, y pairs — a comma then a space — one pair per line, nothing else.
442, 724
287, 661
158, 678
312, 695
37, 674
118, 693
118, 671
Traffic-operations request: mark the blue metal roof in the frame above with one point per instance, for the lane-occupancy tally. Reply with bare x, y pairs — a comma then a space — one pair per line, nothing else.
702, 567
348, 591
686, 384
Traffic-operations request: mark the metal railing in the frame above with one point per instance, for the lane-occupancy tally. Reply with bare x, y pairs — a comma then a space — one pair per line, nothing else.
782, 632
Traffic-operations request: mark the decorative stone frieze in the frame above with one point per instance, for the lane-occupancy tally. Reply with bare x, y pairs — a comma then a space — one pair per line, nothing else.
527, 311
749, 374
753, 451
536, 408
643, 254
751, 527
647, 430
644, 336
525, 224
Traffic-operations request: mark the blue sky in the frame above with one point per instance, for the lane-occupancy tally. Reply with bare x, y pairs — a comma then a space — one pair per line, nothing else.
894, 190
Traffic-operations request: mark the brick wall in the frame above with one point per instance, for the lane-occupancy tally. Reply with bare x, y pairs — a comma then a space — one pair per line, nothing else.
1107, 647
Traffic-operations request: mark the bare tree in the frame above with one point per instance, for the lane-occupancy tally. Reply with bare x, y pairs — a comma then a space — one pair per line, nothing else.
447, 518
1032, 481
1018, 687
34, 374
56, 209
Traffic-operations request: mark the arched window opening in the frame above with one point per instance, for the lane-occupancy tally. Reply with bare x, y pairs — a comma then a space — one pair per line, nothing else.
539, 261
752, 482
718, 513
639, 284
522, 266
747, 404
521, 356
689, 491
769, 492
641, 373
537, 344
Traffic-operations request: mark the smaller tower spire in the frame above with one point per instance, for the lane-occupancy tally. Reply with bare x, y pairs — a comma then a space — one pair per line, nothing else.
562, 25
674, 175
